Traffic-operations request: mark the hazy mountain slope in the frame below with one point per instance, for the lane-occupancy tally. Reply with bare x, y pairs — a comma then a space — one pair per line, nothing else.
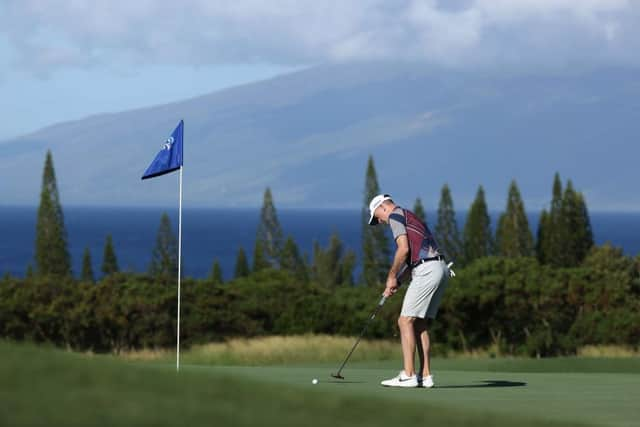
308, 135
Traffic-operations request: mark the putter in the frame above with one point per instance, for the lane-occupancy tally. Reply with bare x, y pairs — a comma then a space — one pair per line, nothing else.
366, 325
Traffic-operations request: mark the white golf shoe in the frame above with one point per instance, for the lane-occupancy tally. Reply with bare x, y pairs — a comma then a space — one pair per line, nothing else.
402, 380
426, 382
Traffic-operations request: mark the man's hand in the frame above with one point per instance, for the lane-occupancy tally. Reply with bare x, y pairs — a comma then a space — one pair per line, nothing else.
392, 286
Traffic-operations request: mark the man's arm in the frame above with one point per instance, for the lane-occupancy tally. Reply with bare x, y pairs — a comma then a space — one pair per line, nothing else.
399, 260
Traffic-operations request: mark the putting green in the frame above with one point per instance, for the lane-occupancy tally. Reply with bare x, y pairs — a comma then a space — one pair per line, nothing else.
596, 398
51, 387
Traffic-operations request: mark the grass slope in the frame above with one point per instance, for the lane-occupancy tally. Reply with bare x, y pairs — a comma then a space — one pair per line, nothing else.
51, 387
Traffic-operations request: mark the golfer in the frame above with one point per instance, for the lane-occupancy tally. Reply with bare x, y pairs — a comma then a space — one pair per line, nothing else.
417, 250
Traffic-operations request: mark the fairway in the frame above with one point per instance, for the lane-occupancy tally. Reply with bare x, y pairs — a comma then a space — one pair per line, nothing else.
52, 387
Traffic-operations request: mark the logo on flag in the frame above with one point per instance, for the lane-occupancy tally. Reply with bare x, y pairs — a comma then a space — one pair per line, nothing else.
167, 145
169, 158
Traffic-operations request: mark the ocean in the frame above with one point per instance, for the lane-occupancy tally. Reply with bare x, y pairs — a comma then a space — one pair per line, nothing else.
217, 234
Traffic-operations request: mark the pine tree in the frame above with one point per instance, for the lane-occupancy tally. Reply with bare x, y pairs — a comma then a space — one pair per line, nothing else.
216, 273
291, 260
564, 234
478, 241
446, 232
347, 265
376, 251
555, 232
269, 235
418, 209
577, 228
164, 262
260, 261
29, 273
513, 235
567, 256
242, 265
109, 260
332, 266
87, 269
51, 252
584, 232
543, 228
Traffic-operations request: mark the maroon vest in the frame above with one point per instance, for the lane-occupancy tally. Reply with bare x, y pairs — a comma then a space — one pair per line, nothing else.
422, 243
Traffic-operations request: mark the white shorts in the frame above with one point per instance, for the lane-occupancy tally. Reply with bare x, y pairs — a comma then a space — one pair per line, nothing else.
428, 282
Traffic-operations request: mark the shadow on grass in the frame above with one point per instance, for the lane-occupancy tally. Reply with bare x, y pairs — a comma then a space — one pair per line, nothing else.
486, 384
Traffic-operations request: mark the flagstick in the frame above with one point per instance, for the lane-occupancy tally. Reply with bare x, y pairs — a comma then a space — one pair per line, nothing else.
179, 271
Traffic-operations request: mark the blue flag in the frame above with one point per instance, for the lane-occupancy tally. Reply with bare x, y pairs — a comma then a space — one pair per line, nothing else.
169, 158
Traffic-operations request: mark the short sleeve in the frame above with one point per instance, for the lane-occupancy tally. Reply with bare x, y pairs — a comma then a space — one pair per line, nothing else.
398, 225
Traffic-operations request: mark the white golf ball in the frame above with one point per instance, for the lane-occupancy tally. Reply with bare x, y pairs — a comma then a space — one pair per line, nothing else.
314, 381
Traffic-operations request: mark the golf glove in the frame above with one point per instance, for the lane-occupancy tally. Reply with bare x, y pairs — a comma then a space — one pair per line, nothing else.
451, 272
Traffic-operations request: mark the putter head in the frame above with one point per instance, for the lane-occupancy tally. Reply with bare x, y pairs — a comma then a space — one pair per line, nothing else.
338, 376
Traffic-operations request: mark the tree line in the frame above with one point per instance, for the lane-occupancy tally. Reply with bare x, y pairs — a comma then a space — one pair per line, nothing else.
51, 254
564, 237
521, 295
508, 305
564, 234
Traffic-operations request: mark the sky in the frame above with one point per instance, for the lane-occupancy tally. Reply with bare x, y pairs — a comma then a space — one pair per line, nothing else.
67, 59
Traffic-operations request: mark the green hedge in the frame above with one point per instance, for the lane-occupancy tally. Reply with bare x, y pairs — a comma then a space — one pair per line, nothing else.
515, 305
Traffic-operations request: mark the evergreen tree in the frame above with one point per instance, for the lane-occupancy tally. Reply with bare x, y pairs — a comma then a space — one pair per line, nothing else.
242, 265
418, 209
292, 261
478, 241
513, 235
542, 237
29, 273
51, 252
446, 232
87, 269
376, 251
109, 260
347, 265
164, 263
564, 234
269, 236
332, 266
584, 232
577, 228
554, 234
567, 256
216, 273
260, 261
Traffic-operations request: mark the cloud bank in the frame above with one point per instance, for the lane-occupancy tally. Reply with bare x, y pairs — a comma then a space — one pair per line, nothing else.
46, 35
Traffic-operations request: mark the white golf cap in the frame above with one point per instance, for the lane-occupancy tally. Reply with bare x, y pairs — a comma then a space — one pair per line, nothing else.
374, 204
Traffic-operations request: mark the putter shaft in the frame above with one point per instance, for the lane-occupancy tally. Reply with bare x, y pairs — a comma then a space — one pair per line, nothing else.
366, 325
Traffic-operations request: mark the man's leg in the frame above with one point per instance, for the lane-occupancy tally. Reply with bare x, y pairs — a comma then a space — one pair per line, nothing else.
423, 346
408, 339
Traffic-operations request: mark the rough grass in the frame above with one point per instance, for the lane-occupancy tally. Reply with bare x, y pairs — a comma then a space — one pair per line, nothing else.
56, 388
610, 351
276, 350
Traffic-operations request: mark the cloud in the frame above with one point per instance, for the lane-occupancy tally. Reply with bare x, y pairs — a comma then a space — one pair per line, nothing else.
46, 35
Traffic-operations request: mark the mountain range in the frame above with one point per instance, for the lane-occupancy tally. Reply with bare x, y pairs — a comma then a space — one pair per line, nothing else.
308, 135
